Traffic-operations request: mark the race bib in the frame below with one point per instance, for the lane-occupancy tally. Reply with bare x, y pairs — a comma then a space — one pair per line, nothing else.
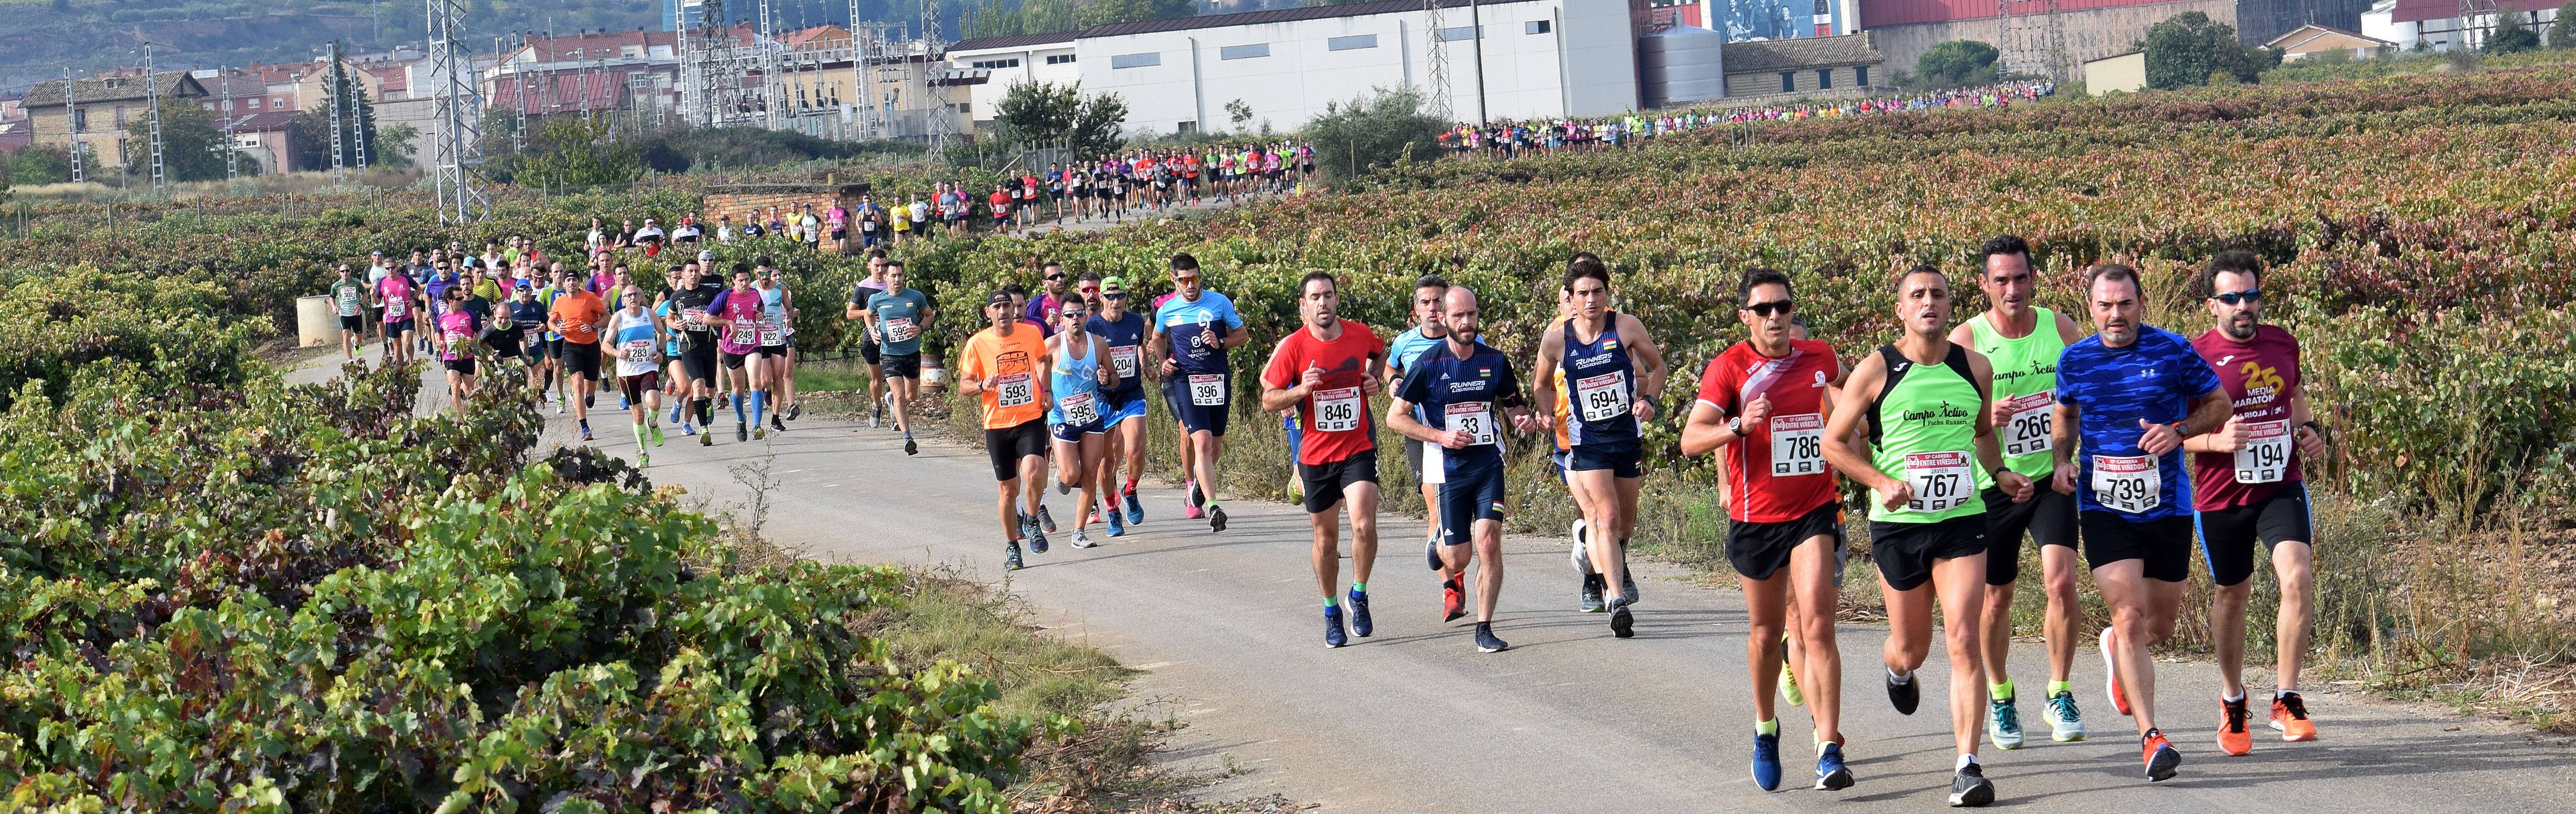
1014, 390
1602, 397
1797, 445
2032, 417
349, 304
1123, 360
1337, 410
867, 226
900, 329
1207, 390
2266, 456
1941, 481
773, 330
397, 310
1476, 419
693, 319
2130, 484
1080, 409
639, 351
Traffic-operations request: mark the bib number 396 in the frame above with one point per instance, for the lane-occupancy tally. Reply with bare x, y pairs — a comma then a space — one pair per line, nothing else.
1940, 480
2129, 484
1207, 390
2266, 456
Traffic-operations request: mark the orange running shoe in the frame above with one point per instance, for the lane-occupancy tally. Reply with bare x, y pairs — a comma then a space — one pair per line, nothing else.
2111, 676
2232, 737
2161, 756
2290, 716
1453, 600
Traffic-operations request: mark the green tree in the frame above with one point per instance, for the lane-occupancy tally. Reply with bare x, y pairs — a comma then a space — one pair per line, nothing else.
1046, 112
39, 164
189, 143
2183, 50
1956, 64
2513, 33
576, 150
1376, 129
2561, 33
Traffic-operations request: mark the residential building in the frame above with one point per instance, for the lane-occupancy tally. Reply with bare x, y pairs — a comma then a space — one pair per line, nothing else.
1006, 61
2311, 39
2117, 73
1806, 67
261, 140
99, 108
2406, 24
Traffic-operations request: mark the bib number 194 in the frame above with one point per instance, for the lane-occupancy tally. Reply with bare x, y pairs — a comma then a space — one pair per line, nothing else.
2266, 456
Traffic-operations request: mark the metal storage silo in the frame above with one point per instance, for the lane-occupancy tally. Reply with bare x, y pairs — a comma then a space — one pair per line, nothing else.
1680, 65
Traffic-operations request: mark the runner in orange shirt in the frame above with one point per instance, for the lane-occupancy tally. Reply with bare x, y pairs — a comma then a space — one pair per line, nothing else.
1003, 364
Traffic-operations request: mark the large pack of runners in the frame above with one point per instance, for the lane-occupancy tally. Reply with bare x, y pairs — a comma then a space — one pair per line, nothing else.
2132, 447
1508, 138
2126, 450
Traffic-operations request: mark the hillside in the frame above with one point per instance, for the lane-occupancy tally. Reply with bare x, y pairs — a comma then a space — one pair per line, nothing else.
39, 38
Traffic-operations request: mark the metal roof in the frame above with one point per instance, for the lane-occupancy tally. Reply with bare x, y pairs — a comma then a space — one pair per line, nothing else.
1020, 41
1280, 15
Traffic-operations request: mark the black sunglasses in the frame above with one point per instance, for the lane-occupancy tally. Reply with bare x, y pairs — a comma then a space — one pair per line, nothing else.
1055, 276
1113, 295
2233, 297
1765, 309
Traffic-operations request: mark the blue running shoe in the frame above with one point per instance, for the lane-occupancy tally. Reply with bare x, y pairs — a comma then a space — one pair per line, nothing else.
1486, 641
1766, 761
1333, 636
1360, 622
1116, 529
1135, 508
1831, 774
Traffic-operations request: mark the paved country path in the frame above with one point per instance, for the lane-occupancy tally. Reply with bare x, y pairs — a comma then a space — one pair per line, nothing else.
1569, 720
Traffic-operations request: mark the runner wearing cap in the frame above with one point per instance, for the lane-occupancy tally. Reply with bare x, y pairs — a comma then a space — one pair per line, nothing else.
1123, 331
1004, 364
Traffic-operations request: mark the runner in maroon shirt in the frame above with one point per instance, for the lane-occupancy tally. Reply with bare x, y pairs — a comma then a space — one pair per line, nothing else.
2246, 485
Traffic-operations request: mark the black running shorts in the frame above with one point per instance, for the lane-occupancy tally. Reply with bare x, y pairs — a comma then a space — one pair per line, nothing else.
1760, 550
1008, 445
1905, 551
2049, 519
699, 360
582, 360
2163, 543
2227, 535
1325, 482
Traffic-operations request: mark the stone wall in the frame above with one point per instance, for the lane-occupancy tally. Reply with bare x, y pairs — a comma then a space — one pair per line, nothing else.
2090, 33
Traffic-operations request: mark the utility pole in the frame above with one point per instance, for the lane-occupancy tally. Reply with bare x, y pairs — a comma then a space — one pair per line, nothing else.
232, 153
160, 170
71, 124
1476, 31
458, 143
1439, 61
337, 157
934, 69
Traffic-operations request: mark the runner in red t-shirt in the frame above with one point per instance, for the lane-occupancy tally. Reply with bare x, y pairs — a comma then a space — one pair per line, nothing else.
2246, 485
1762, 408
1001, 202
1327, 371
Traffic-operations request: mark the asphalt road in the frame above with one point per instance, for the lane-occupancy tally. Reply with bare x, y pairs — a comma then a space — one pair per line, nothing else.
1568, 720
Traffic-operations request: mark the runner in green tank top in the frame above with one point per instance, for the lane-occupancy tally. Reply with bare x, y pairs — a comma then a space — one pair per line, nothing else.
2022, 342
1930, 447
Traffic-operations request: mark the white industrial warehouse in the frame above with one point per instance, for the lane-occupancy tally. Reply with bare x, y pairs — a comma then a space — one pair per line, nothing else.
1537, 59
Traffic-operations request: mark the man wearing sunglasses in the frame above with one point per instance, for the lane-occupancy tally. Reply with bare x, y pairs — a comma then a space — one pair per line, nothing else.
1042, 309
2247, 485
1192, 333
2022, 341
1123, 331
1761, 407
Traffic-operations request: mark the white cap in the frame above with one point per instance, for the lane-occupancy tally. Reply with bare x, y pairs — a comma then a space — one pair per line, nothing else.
705, 255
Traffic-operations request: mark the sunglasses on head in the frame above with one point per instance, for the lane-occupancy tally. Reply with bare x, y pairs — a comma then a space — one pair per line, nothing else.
2234, 297
1765, 309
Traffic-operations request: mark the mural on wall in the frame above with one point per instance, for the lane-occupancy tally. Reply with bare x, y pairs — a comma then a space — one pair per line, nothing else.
1774, 19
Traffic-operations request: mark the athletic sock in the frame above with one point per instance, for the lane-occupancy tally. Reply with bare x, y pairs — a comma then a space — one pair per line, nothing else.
639, 436
738, 407
2000, 692
1965, 761
1332, 602
1770, 727
2056, 686
2280, 694
1359, 587
2238, 698
1131, 485
759, 406
1899, 679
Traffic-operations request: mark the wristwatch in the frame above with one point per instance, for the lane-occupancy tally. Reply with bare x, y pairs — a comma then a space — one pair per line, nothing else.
1735, 426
